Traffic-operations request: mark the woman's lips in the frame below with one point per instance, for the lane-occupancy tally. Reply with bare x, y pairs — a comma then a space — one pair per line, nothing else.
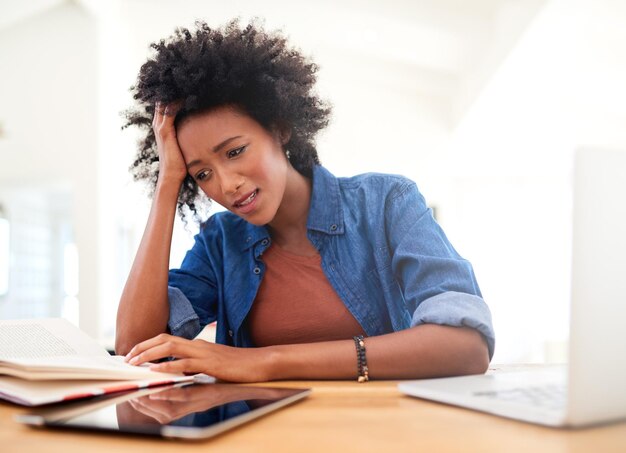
247, 203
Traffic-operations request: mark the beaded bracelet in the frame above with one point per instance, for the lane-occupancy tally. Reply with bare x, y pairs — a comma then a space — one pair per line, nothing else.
361, 360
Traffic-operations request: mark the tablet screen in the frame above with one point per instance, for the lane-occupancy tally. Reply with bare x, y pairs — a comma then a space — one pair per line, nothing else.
193, 411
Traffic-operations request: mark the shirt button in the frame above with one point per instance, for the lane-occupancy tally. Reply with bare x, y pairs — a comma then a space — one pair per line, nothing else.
333, 227
230, 333
265, 241
257, 271
249, 239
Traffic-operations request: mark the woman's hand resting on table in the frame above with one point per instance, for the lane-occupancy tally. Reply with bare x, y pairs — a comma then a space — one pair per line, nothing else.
198, 356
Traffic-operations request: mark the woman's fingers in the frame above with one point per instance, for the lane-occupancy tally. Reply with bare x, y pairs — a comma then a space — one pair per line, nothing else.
157, 118
157, 352
145, 346
140, 347
164, 114
163, 346
171, 109
197, 356
178, 366
171, 162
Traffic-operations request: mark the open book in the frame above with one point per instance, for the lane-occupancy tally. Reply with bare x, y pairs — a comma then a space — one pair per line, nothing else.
49, 360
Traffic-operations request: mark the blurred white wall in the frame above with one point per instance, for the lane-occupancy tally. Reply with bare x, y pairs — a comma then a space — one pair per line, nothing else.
49, 81
509, 205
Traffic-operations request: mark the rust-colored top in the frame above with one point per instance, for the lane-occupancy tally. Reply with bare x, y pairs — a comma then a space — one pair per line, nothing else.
297, 304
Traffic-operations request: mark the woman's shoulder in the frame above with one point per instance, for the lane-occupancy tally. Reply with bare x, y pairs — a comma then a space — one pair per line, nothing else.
371, 183
223, 223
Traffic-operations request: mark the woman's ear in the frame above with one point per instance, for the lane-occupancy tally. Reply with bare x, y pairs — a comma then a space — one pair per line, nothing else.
283, 133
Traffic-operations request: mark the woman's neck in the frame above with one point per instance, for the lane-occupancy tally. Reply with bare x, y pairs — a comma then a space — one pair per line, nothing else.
288, 228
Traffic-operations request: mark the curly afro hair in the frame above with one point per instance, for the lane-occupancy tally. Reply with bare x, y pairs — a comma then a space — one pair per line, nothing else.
249, 68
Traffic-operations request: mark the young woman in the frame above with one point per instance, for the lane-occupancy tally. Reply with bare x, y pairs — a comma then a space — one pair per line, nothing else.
308, 276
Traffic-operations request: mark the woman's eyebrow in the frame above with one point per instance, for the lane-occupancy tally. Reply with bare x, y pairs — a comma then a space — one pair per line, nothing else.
216, 148
224, 143
193, 163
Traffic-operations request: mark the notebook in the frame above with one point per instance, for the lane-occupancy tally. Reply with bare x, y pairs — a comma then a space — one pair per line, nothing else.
591, 389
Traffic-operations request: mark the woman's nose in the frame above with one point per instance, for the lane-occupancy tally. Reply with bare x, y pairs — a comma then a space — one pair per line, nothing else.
230, 182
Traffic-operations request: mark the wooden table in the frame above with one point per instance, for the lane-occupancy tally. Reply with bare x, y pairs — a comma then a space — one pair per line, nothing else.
339, 417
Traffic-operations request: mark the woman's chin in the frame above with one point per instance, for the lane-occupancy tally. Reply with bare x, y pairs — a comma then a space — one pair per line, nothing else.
255, 218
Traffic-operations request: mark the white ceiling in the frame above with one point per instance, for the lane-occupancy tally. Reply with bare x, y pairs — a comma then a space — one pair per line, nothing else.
438, 35
13, 11
447, 44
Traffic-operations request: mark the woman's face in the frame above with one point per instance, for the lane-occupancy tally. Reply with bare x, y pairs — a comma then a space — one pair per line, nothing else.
236, 162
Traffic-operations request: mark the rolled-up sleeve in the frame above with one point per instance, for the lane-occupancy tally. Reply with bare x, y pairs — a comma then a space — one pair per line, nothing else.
438, 285
457, 310
192, 293
183, 321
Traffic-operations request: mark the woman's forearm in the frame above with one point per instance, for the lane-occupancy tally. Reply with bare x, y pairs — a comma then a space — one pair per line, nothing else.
420, 352
143, 310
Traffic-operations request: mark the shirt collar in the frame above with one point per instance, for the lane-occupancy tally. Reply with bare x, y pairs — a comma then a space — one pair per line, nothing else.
325, 210
253, 234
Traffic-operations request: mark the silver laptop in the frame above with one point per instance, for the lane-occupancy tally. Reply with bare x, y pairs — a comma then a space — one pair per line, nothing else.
591, 389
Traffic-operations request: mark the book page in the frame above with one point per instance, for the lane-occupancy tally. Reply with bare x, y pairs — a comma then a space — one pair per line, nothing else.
80, 367
43, 349
44, 338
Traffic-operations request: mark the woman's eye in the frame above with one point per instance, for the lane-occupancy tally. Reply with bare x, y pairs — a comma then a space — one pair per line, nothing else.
235, 152
203, 175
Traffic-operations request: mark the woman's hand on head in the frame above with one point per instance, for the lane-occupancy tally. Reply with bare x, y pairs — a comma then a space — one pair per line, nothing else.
171, 162
198, 356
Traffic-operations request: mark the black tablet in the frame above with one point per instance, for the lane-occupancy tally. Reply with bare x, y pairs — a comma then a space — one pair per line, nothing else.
185, 411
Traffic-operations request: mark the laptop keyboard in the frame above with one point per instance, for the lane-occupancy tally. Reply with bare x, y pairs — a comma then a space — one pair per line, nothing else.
549, 396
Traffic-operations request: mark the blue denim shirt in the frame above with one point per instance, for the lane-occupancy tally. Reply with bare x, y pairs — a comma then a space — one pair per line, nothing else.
382, 251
